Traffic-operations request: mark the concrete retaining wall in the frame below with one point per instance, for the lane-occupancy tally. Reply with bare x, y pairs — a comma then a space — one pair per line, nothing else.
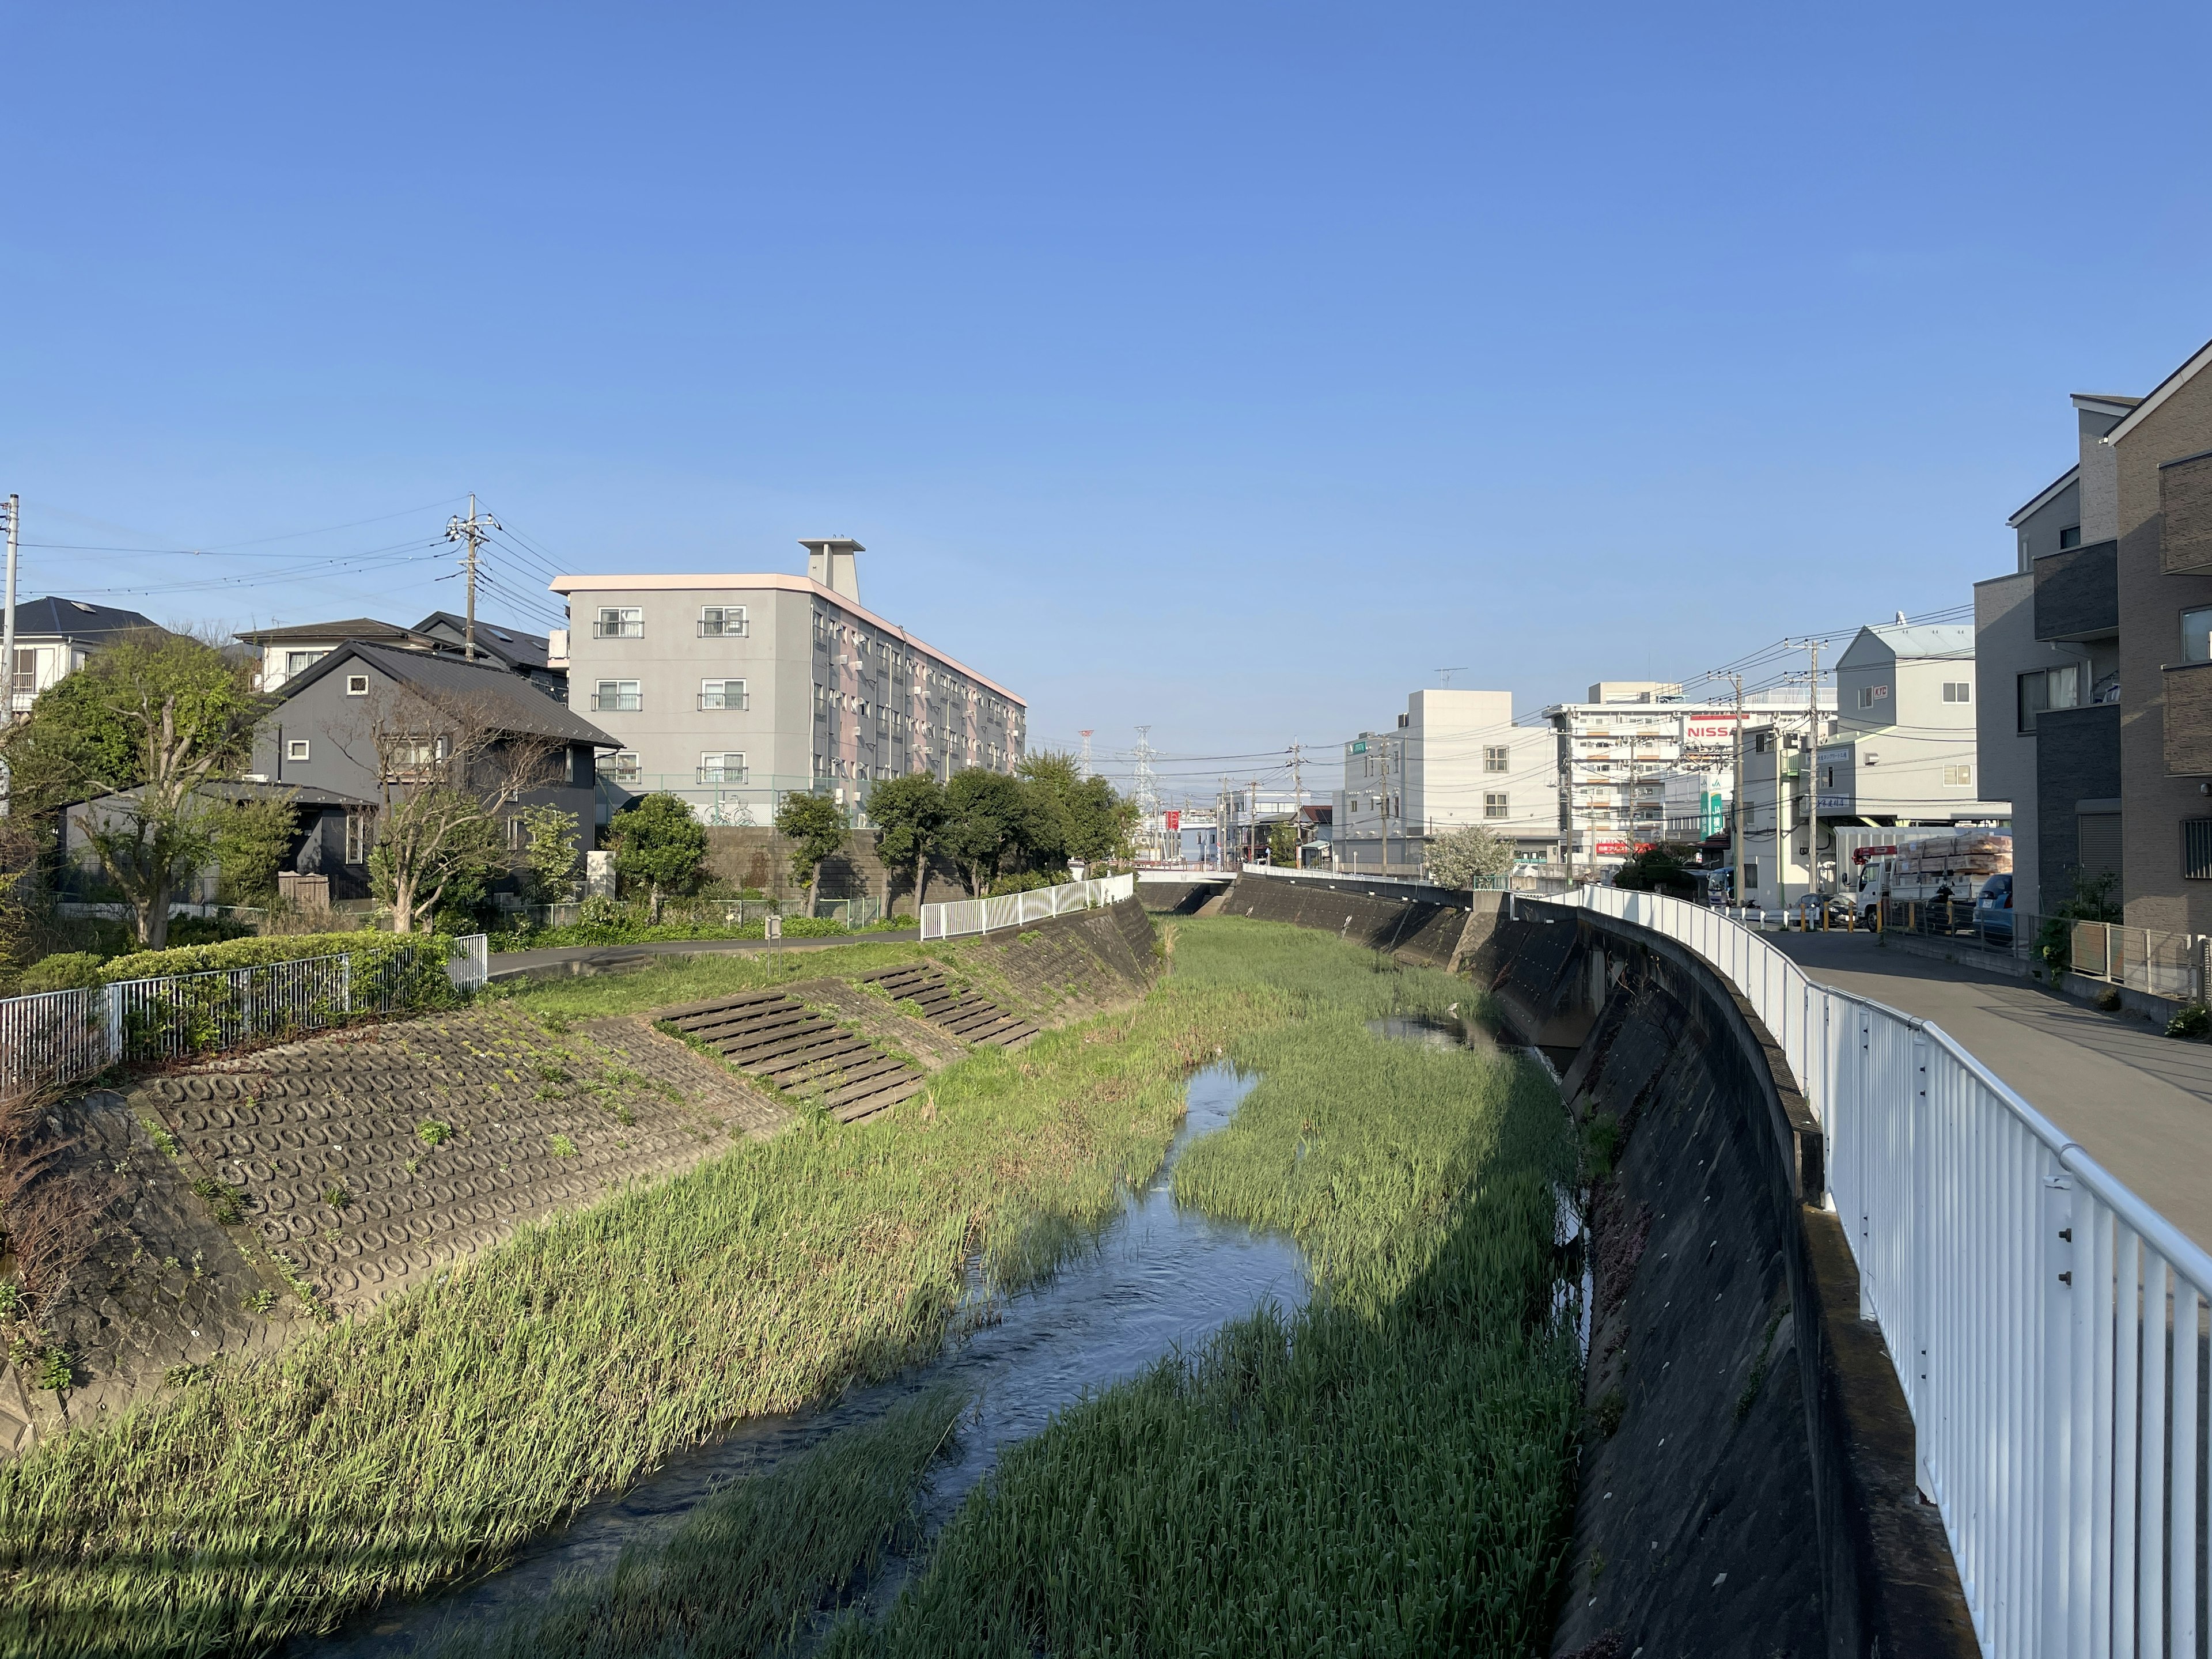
1415, 924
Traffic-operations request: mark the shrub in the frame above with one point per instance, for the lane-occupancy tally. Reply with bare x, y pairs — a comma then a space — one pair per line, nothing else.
2194, 1020
564, 1147
2108, 999
1611, 1407
221, 1201
431, 1133
71, 970
421, 956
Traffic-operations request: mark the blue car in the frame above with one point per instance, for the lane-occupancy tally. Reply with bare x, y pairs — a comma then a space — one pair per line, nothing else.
1993, 910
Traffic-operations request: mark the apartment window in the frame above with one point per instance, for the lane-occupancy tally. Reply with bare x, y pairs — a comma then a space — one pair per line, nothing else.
2047, 689
1958, 777
1494, 805
622, 766
1958, 691
2069, 536
412, 759
27, 671
2197, 849
356, 685
360, 833
517, 834
2196, 636
1750, 874
618, 696
722, 694
295, 749
1497, 757
297, 662
721, 622
728, 766
1871, 694
619, 623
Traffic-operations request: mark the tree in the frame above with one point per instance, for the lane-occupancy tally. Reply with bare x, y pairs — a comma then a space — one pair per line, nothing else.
988, 815
150, 720
1462, 856
1283, 845
815, 827
1664, 869
251, 838
548, 857
907, 814
660, 843
431, 841
1071, 816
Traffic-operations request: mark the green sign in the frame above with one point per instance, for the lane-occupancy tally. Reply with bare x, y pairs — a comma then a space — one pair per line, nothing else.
1358, 748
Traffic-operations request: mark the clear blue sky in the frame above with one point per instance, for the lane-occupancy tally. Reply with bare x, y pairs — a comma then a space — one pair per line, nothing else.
1224, 367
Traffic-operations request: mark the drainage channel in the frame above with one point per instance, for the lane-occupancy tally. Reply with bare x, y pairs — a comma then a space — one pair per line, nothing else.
1159, 1278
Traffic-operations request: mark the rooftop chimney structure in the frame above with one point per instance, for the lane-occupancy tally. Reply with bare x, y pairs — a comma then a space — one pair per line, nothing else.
829, 561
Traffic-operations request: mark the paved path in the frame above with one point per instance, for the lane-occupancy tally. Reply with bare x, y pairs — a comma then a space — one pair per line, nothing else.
613, 958
2139, 1102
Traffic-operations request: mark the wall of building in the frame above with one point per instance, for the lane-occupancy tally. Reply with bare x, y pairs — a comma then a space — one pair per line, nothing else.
2005, 647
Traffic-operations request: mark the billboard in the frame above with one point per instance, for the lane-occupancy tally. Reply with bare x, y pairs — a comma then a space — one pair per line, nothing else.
1174, 822
1708, 729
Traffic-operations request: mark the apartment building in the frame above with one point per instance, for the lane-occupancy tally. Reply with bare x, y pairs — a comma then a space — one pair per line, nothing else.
2104, 631
1455, 757
1615, 755
735, 690
1905, 748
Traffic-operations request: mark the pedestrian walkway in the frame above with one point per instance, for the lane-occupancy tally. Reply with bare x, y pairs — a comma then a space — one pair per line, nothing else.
2138, 1102
615, 958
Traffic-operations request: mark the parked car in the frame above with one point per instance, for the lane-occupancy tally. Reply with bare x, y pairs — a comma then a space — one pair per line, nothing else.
1993, 910
1807, 911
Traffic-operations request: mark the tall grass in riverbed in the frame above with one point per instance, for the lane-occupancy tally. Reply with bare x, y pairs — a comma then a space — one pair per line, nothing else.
383, 1456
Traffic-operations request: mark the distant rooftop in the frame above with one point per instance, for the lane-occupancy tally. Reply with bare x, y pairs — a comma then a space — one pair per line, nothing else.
74, 619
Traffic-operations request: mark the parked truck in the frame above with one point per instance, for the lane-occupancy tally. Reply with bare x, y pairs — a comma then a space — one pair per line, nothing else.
1954, 866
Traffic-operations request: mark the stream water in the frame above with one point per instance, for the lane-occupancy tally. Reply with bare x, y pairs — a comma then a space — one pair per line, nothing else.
1159, 1278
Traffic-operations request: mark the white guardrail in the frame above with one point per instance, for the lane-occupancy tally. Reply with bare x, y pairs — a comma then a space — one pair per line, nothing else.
52, 1038
2048, 1325
965, 916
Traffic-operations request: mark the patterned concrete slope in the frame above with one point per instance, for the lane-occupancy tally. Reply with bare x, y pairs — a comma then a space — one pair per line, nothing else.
966, 1015
780, 1039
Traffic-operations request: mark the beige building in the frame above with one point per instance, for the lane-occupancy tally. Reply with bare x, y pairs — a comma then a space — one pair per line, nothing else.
1905, 747
1454, 759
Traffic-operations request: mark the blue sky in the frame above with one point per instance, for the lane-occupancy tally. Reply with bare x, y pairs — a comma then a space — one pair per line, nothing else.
1228, 369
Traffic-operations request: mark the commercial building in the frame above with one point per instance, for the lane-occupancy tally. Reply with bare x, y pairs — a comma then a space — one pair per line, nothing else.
2104, 631
1454, 759
735, 690
1905, 748
1614, 756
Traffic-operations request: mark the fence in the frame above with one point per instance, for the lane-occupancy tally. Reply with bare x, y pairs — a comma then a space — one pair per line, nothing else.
965, 916
2141, 958
2049, 1327
57, 1037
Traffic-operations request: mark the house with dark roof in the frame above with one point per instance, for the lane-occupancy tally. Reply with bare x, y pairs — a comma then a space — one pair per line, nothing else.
288, 651
323, 822
372, 722
55, 637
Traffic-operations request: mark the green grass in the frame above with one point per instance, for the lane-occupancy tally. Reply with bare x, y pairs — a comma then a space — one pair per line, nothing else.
694, 978
1386, 1472
383, 1456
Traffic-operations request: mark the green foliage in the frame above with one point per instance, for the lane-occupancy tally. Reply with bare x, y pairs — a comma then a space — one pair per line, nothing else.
2193, 1021
908, 815
1660, 870
223, 1201
1283, 846
1026, 881
419, 960
2088, 899
1071, 816
250, 839
562, 1146
549, 857
657, 842
987, 819
1611, 1407
431, 1133
815, 826
336, 1195
1466, 856
71, 970
55, 1371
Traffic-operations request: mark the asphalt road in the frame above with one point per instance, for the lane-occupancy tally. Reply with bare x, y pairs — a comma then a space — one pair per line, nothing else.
614, 958
2139, 1102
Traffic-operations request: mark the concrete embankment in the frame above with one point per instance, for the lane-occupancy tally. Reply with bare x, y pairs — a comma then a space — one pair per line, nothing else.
1746, 1486
1415, 924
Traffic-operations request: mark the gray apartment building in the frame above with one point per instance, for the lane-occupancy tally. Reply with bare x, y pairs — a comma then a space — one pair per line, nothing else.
733, 692
2105, 630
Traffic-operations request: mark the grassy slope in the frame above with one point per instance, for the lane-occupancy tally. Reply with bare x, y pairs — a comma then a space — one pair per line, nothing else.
385, 1455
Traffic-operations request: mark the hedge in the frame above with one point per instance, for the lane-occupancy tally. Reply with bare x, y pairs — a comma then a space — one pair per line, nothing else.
367, 950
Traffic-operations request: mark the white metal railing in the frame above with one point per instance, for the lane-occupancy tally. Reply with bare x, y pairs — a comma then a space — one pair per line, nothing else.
53, 1038
984, 915
2049, 1327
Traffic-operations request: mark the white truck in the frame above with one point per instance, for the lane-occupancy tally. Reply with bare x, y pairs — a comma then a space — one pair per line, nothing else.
1954, 865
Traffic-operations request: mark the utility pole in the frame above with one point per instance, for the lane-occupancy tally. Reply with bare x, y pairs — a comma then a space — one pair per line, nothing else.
1735, 810
471, 530
1298, 806
8, 639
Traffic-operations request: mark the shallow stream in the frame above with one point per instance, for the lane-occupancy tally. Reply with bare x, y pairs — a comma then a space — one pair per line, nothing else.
1158, 1279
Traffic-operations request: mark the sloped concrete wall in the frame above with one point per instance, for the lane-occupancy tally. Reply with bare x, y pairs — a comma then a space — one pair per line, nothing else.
1415, 924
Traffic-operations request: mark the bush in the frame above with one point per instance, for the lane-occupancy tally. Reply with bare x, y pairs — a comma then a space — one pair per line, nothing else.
71, 970
2194, 1020
367, 950
1027, 882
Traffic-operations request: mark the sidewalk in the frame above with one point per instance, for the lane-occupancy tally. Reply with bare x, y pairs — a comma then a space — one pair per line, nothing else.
2139, 1102
615, 958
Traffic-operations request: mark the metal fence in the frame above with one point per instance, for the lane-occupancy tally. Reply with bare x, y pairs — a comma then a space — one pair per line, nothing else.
2141, 958
2049, 1327
984, 915
57, 1037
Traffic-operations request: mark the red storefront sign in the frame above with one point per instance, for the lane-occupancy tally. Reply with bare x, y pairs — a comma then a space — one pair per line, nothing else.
1175, 822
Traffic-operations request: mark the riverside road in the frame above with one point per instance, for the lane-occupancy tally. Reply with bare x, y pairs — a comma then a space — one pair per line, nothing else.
2138, 1102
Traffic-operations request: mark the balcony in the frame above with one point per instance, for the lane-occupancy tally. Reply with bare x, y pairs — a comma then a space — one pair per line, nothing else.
2185, 500
2077, 593
617, 702
2188, 720
722, 774
722, 628
717, 702
631, 627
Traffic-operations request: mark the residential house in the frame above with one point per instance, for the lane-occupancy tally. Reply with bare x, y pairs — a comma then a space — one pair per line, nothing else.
55, 637
367, 723
288, 651
733, 691
323, 822
1455, 758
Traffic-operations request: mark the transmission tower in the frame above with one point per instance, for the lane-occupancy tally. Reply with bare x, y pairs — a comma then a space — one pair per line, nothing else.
1142, 784
1085, 736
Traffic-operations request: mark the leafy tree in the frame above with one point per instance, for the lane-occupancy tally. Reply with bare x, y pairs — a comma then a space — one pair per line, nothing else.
988, 815
436, 846
1663, 869
1462, 856
907, 814
1283, 845
1071, 816
157, 715
251, 838
548, 858
659, 841
815, 826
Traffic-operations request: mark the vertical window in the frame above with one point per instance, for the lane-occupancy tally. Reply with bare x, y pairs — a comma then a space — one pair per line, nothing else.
2196, 636
517, 834
619, 695
1498, 757
1958, 777
1494, 805
360, 833
619, 623
2047, 689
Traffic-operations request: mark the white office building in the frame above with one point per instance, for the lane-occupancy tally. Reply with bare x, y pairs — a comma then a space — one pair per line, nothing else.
1453, 758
